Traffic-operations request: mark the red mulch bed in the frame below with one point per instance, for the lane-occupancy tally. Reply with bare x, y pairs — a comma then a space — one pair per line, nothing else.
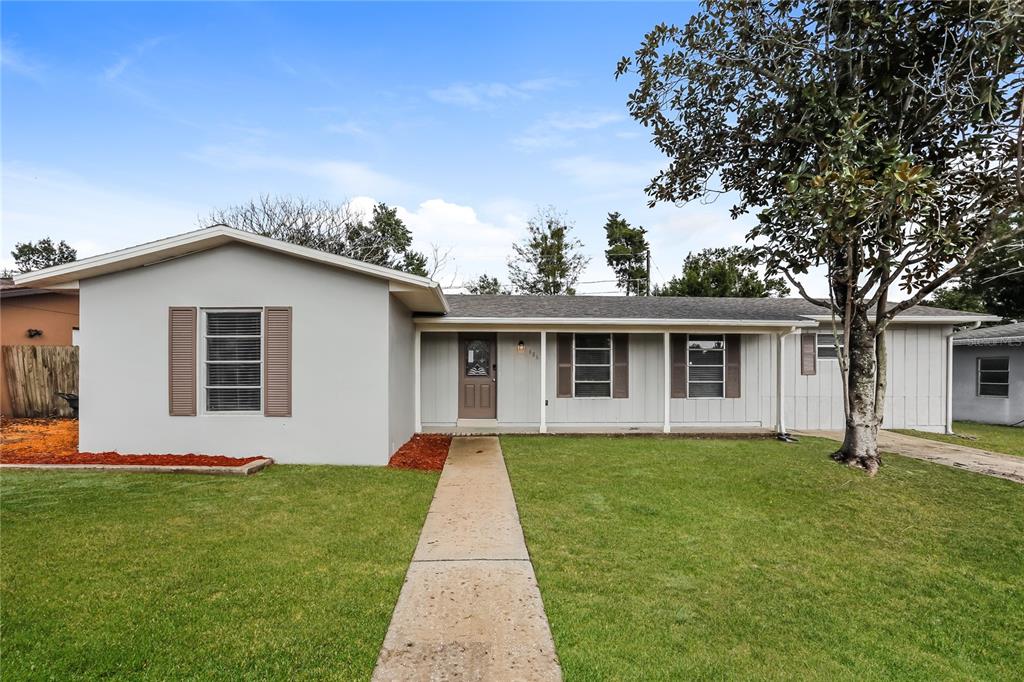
55, 441
425, 451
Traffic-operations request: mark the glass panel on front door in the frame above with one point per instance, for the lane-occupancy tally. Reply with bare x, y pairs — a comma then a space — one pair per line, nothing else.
478, 358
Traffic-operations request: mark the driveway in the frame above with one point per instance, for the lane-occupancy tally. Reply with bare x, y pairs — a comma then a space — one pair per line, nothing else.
949, 454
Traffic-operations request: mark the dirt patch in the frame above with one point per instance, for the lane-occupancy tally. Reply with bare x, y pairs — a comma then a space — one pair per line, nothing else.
55, 441
426, 451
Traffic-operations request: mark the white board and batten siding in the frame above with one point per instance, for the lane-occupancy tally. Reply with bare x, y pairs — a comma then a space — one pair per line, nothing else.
915, 394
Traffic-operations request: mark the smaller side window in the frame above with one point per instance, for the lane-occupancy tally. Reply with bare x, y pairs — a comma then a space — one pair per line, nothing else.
827, 346
994, 377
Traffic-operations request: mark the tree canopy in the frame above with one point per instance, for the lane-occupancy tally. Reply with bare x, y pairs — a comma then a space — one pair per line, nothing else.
29, 256
333, 227
994, 284
881, 141
730, 272
548, 261
485, 284
627, 255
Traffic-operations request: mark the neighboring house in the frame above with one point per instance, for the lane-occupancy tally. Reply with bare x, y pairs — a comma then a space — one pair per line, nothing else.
224, 342
988, 374
30, 316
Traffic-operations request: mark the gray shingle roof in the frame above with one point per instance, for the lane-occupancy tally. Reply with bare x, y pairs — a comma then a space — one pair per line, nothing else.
985, 336
649, 308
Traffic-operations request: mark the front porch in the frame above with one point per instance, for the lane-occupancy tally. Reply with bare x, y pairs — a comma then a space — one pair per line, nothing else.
580, 378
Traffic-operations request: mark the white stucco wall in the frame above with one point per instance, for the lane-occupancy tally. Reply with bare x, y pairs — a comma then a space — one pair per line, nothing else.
968, 405
401, 379
340, 365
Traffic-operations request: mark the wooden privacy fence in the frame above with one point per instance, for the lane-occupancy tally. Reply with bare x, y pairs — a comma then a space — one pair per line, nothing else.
34, 376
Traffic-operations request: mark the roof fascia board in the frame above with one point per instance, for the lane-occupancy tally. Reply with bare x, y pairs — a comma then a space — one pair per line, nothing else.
595, 324
926, 319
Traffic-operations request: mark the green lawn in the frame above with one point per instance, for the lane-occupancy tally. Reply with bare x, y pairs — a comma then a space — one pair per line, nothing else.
1007, 439
289, 574
665, 559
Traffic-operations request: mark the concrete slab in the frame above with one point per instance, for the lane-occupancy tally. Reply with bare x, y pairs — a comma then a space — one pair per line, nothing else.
948, 454
241, 470
470, 608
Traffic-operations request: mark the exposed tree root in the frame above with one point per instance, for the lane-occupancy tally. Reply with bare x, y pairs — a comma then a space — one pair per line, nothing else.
868, 463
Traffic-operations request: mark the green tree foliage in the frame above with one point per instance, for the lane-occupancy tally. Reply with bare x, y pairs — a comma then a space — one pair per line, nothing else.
879, 140
328, 226
627, 254
994, 284
485, 284
29, 256
548, 261
730, 272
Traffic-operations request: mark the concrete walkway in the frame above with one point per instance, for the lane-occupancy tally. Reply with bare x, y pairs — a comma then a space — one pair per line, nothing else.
470, 608
949, 454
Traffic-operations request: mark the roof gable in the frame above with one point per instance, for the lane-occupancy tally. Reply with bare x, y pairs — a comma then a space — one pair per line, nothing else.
418, 293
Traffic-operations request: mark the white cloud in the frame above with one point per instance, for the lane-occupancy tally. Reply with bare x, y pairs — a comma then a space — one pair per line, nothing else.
484, 95
91, 218
595, 173
349, 178
115, 70
14, 60
554, 130
350, 128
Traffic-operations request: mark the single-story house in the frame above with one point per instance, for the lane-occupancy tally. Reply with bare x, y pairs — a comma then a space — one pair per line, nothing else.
221, 341
32, 316
988, 374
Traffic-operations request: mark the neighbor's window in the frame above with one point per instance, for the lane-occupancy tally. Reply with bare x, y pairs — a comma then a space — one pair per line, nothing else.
592, 365
994, 377
827, 346
705, 365
233, 359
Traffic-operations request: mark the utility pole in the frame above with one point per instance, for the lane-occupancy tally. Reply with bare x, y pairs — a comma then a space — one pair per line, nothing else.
648, 272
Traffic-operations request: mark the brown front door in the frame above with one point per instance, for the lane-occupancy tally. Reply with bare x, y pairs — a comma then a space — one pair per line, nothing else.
478, 376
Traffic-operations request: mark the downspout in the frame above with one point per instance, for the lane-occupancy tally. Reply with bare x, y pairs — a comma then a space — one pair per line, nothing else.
949, 373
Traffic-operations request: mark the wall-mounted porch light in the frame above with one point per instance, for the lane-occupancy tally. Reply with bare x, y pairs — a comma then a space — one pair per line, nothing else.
521, 347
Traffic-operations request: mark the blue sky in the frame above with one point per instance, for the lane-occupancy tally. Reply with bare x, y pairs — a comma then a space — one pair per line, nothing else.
123, 123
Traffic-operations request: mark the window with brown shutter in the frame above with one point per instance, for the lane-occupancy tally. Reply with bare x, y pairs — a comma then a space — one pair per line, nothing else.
563, 388
678, 352
181, 354
733, 348
808, 353
620, 378
277, 365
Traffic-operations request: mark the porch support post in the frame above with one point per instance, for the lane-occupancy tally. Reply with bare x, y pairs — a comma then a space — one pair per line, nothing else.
949, 381
543, 381
780, 357
416, 362
667, 367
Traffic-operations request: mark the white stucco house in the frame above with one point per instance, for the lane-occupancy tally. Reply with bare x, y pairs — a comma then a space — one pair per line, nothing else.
988, 374
219, 341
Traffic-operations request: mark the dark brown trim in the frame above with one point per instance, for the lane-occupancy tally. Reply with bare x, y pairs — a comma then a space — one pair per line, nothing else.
277, 361
563, 383
733, 373
182, 330
620, 366
808, 353
677, 343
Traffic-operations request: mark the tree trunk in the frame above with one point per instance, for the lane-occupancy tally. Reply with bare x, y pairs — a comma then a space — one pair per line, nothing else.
860, 445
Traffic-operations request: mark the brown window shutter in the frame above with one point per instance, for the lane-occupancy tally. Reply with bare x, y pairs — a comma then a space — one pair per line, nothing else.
181, 362
733, 349
277, 362
564, 377
678, 348
620, 366
808, 354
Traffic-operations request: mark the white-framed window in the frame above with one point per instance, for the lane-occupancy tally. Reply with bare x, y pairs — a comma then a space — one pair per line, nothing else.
705, 365
827, 346
994, 377
592, 365
232, 360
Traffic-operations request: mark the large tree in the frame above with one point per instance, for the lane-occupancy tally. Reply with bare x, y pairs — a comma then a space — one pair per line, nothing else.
628, 255
381, 239
993, 284
879, 140
730, 272
548, 261
29, 256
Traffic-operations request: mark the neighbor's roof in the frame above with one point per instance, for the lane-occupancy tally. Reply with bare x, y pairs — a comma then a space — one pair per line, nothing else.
418, 293
991, 336
655, 309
